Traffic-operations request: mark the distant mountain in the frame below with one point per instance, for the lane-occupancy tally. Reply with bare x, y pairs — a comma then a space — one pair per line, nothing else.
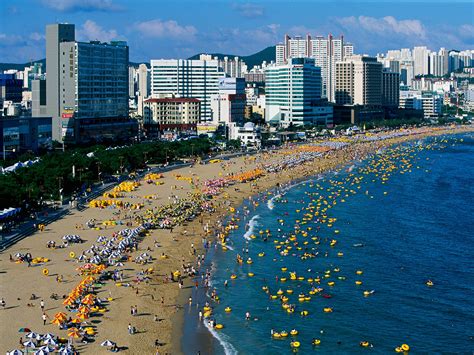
267, 54
7, 66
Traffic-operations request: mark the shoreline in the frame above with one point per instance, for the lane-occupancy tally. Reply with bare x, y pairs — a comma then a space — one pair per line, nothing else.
175, 244
287, 184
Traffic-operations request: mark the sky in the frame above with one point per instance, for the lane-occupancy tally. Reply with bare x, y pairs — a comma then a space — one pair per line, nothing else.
157, 29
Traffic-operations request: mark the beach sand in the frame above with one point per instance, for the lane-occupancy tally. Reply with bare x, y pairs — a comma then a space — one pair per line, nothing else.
18, 282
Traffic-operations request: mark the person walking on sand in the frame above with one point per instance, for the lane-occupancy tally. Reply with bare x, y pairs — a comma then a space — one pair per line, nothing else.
3, 303
44, 317
42, 305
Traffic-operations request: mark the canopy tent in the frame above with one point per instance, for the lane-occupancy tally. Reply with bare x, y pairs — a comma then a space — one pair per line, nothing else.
9, 212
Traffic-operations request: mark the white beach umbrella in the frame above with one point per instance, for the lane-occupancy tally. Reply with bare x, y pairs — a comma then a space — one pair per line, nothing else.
48, 335
32, 335
29, 344
49, 341
107, 343
47, 349
15, 352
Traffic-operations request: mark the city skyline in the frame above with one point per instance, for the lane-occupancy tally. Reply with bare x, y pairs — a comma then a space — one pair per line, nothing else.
164, 30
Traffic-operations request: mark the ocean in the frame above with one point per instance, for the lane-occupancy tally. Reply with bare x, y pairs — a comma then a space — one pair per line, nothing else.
392, 222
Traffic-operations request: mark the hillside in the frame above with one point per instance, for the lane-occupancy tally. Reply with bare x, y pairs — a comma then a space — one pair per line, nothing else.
7, 66
267, 54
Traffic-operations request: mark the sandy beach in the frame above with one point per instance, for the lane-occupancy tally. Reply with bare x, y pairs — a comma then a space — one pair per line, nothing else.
158, 300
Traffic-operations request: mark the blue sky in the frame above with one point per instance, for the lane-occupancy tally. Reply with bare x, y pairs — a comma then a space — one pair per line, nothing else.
179, 29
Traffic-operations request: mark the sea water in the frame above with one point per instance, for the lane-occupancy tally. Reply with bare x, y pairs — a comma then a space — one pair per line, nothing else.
416, 226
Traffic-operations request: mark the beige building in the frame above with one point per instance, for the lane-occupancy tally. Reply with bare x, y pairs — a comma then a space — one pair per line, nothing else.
359, 81
171, 113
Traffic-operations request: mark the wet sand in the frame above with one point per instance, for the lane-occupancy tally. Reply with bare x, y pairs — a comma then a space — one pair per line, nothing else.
18, 282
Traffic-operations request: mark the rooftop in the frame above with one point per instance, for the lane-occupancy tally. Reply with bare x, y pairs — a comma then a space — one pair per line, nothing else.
174, 99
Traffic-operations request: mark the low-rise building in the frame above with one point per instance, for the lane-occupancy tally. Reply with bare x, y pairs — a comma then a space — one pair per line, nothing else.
249, 134
429, 102
176, 113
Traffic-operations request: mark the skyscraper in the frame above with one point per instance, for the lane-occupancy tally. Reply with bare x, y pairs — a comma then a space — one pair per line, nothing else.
143, 87
280, 57
86, 87
55, 34
359, 81
390, 88
325, 51
421, 60
292, 92
187, 78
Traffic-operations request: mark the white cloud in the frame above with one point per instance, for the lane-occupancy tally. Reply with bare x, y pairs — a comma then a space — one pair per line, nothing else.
384, 25
81, 5
10, 40
267, 35
249, 10
91, 31
162, 29
36, 36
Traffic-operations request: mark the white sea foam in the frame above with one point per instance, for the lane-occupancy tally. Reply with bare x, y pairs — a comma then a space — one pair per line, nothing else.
252, 224
222, 339
289, 187
270, 203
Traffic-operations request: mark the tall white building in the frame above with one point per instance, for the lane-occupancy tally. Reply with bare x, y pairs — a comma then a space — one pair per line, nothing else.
297, 47
348, 50
235, 68
143, 77
421, 60
325, 50
187, 78
439, 62
280, 54
293, 90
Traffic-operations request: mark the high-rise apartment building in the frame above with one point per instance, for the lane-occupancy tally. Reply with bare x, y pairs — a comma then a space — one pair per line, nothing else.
293, 90
348, 50
187, 78
143, 77
439, 62
359, 81
280, 54
421, 60
86, 87
325, 51
235, 68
